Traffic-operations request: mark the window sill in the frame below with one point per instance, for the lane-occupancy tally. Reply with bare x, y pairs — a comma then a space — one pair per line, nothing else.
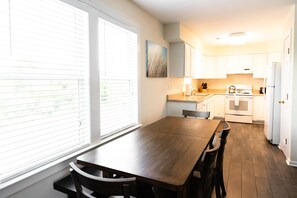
14, 185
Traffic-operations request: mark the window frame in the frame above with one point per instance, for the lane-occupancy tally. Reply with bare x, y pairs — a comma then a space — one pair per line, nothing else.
94, 9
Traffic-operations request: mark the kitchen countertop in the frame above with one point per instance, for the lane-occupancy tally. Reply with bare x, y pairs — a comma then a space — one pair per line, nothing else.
200, 96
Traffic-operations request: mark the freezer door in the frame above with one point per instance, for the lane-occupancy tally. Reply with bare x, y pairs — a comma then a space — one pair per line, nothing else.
268, 123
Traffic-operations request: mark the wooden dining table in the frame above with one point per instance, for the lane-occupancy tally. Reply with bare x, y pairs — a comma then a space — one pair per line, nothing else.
162, 154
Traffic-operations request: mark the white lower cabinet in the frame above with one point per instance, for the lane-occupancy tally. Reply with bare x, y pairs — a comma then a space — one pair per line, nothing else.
211, 106
220, 106
208, 105
258, 108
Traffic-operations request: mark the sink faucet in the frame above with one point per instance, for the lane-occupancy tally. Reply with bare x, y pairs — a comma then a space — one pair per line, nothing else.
194, 91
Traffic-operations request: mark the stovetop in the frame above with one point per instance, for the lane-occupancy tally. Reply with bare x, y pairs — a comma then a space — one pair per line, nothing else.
240, 90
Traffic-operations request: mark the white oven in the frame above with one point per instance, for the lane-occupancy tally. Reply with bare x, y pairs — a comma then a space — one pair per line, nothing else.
239, 108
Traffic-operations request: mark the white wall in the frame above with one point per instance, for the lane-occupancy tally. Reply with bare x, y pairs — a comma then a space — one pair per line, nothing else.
152, 92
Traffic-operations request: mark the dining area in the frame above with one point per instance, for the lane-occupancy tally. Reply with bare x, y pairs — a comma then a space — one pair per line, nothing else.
173, 157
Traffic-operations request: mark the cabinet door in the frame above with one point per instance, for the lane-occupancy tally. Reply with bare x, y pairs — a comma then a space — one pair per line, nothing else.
210, 67
246, 63
222, 66
260, 65
258, 108
180, 60
211, 106
196, 70
188, 60
220, 106
233, 62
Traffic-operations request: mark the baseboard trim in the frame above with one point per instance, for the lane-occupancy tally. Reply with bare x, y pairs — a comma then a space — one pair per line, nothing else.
291, 163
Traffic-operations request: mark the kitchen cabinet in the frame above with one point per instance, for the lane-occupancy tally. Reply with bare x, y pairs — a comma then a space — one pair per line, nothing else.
211, 102
260, 65
222, 65
210, 67
208, 105
232, 64
220, 106
258, 108
197, 58
240, 64
246, 64
181, 59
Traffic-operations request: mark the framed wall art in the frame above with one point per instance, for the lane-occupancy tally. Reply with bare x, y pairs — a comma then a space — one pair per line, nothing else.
156, 60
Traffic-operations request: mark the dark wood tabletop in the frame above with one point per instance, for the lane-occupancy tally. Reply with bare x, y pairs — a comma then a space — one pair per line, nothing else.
162, 153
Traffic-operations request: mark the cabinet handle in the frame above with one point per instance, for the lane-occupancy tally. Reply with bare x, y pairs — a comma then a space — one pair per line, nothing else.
281, 102
246, 69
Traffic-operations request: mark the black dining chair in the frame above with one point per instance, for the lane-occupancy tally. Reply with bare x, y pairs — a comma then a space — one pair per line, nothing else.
196, 114
218, 171
202, 177
99, 186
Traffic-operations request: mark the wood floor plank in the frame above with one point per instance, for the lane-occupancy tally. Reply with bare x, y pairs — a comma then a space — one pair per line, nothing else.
263, 188
254, 168
248, 180
234, 181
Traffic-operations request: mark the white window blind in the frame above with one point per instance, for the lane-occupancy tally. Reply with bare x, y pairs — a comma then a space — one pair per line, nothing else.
44, 88
118, 77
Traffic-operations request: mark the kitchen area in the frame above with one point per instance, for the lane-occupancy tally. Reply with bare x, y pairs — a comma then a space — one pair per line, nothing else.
229, 82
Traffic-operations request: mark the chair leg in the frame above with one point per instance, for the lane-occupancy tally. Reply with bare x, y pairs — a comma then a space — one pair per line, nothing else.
217, 185
221, 178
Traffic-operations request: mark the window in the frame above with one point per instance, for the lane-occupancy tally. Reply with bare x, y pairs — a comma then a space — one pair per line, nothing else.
46, 63
118, 77
44, 86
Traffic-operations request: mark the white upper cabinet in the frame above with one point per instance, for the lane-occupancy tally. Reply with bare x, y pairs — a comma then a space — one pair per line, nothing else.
260, 65
210, 67
246, 64
222, 66
233, 63
240, 64
197, 69
180, 60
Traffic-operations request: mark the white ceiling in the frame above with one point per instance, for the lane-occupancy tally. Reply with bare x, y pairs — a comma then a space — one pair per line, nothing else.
209, 19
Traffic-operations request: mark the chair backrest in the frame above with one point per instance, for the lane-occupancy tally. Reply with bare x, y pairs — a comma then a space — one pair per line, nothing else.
197, 114
223, 135
99, 185
209, 163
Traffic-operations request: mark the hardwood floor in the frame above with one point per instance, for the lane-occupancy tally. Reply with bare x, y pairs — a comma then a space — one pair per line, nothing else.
253, 168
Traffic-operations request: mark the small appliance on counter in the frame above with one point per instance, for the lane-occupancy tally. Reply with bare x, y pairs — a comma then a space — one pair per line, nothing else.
188, 90
262, 90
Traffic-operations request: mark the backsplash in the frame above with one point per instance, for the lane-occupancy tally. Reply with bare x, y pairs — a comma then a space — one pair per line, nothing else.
231, 79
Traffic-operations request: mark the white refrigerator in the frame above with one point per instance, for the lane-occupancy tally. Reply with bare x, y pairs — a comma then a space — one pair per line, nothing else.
272, 106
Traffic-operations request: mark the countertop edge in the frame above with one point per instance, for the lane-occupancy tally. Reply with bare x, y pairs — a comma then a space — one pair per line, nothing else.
179, 97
